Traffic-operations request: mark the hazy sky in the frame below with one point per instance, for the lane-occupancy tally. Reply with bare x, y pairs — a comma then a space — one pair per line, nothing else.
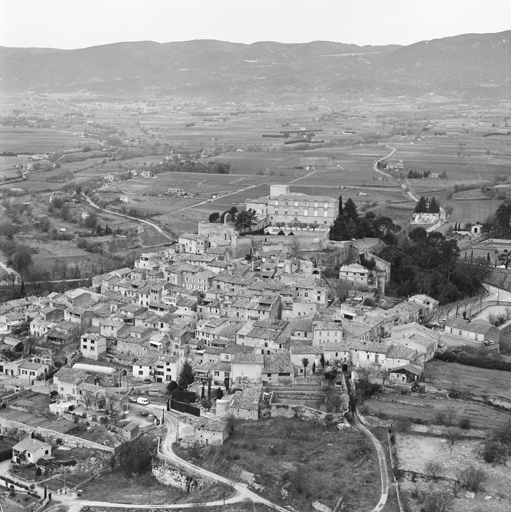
82, 23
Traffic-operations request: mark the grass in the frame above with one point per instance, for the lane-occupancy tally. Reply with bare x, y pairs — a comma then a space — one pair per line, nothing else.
145, 489
423, 409
472, 211
311, 462
478, 381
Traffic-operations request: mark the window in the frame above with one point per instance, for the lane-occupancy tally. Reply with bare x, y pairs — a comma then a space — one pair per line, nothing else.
140, 372
315, 213
84, 347
216, 374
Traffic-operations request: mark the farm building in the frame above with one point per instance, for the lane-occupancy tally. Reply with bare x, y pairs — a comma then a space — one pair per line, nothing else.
211, 431
406, 374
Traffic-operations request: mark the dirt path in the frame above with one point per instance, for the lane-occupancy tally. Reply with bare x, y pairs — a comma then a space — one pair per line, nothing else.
383, 465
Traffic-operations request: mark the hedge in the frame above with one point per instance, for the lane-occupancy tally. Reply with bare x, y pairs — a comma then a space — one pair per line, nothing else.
488, 363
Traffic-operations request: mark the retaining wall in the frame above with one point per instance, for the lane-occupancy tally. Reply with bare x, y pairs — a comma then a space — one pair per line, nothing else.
52, 435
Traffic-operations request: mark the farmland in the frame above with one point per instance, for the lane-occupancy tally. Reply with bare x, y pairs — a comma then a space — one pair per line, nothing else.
468, 379
36, 140
425, 409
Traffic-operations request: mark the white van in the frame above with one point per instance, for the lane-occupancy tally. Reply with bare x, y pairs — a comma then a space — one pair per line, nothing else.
142, 401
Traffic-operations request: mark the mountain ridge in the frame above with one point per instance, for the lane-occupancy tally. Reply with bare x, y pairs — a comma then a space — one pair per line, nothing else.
464, 65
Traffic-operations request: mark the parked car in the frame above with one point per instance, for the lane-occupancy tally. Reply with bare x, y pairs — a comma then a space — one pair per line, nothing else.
147, 381
142, 400
132, 399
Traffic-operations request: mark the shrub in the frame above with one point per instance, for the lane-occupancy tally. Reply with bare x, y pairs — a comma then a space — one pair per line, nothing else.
472, 478
465, 423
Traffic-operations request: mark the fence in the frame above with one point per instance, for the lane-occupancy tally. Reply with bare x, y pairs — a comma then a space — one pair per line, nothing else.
182, 407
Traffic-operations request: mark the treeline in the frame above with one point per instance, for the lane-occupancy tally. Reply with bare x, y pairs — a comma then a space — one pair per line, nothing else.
425, 205
489, 363
428, 263
191, 166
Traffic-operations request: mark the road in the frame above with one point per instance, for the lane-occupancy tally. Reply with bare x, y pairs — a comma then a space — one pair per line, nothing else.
155, 226
375, 166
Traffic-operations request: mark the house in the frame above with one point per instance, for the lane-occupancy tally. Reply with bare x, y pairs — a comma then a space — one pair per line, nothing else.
145, 367
109, 178
29, 451
354, 273
67, 380
92, 345
327, 332
479, 331
32, 370
129, 430
146, 174
406, 374
428, 302
193, 244
211, 431
125, 199
278, 367
242, 404
247, 368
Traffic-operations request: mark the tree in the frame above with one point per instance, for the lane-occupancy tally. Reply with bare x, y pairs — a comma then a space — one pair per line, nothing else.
186, 375
135, 456
433, 469
171, 387
439, 501
21, 259
453, 435
421, 206
305, 363
91, 220
214, 217
434, 207
350, 210
245, 219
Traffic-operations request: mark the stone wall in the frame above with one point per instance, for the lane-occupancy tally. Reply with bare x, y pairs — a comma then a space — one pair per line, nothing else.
301, 411
51, 435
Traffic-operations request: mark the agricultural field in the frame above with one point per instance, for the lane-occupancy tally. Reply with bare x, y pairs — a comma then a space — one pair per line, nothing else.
464, 157
397, 212
424, 409
469, 379
36, 140
311, 462
415, 451
472, 211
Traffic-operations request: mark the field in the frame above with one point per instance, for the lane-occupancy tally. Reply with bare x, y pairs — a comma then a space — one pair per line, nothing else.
310, 462
420, 408
477, 381
415, 451
472, 211
36, 140
443, 154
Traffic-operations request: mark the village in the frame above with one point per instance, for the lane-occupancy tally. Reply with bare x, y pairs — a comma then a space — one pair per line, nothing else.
223, 325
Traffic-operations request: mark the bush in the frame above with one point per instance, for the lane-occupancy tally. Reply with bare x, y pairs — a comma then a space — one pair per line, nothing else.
465, 423
472, 478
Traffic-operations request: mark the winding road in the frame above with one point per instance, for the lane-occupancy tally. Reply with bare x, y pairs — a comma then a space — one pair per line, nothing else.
155, 226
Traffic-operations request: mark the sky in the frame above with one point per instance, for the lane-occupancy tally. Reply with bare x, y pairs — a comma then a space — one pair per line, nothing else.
82, 23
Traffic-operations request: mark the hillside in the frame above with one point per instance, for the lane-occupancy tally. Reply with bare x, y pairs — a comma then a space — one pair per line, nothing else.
473, 64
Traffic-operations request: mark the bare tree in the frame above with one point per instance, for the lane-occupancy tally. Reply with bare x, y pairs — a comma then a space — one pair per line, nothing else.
440, 501
433, 469
472, 478
453, 434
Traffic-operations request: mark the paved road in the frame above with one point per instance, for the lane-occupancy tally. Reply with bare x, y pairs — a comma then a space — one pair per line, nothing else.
375, 166
155, 226
383, 465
